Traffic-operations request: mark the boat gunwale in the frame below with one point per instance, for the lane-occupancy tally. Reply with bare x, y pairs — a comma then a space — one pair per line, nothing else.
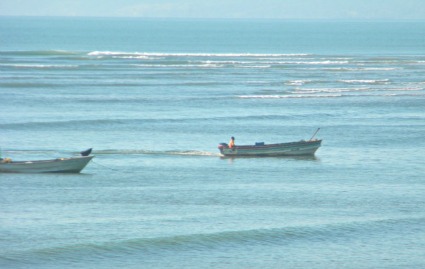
299, 148
47, 161
277, 145
73, 164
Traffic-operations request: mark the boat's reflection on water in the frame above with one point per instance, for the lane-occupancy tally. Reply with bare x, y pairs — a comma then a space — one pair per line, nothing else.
311, 158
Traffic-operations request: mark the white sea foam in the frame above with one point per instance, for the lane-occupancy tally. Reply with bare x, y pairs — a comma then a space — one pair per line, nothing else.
406, 89
118, 53
140, 57
312, 62
109, 53
357, 69
285, 96
41, 66
179, 65
366, 81
298, 82
324, 90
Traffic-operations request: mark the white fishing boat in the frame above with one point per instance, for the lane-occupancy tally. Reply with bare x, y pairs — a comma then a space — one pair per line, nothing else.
300, 148
282, 149
60, 165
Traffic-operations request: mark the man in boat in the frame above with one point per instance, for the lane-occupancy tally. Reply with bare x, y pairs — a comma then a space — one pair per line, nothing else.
232, 142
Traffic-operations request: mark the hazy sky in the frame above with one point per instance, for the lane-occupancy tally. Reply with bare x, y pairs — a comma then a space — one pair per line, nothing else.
281, 9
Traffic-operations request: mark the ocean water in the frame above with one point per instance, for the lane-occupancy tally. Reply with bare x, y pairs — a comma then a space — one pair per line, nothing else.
155, 97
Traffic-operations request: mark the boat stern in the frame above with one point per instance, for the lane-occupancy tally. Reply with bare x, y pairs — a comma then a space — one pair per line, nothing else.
222, 147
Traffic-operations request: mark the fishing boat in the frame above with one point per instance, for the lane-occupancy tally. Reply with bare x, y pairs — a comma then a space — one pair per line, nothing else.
72, 164
300, 148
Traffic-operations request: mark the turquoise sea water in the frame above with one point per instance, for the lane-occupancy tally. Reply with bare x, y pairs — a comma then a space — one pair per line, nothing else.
155, 97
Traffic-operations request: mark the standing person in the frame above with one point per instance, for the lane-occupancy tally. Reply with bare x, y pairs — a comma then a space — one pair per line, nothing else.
232, 142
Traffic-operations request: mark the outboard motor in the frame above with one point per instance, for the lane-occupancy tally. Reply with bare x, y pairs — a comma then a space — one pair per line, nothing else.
222, 146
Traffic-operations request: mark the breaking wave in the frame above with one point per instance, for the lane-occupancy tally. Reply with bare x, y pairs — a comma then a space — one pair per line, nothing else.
153, 54
366, 81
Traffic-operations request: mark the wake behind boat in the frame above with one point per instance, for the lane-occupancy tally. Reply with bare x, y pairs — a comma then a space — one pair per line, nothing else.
60, 165
300, 148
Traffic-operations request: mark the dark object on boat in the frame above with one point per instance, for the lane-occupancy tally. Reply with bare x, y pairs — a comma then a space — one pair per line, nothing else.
86, 152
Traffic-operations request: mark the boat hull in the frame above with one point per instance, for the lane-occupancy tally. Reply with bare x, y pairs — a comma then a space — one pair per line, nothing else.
301, 148
61, 165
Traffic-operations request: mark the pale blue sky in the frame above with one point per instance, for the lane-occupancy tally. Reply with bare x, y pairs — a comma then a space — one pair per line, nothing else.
276, 9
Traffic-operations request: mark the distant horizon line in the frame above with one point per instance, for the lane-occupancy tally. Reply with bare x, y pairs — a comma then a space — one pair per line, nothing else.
220, 18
